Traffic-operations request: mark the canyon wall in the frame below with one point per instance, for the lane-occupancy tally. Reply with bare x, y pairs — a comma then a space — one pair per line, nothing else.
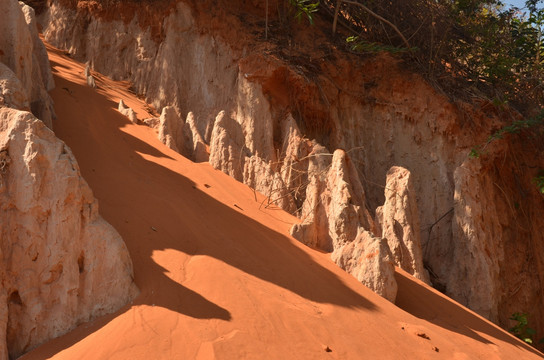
61, 264
359, 149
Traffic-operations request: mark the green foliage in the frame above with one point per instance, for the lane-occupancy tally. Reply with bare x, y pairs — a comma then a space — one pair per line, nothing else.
305, 7
468, 48
481, 46
500, 49
521, 330
475, 152
514, 128
359, 45
539, 182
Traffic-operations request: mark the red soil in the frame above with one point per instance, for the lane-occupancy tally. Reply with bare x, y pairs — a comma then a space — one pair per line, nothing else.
218, 274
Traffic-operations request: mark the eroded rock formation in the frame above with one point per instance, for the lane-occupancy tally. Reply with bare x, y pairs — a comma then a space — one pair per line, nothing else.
369, 259
122, 108
276, 115
26, 76
171, 129
227, 147
12, 92
195, 145
335, 219
61, 264
398, 222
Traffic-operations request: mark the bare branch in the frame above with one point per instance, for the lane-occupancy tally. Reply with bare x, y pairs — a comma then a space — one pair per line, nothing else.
336, 11
377, 17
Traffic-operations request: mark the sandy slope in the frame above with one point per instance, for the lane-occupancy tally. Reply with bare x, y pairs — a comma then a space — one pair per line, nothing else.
218, 275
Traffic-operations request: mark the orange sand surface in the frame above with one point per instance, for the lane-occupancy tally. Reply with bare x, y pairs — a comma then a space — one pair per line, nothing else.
219, 275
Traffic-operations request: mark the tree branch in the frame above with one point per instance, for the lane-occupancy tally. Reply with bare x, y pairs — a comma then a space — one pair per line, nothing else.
338, 3
377, 17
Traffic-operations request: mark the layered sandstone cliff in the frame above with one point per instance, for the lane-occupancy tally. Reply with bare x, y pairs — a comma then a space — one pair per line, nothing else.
61, 264
273, 116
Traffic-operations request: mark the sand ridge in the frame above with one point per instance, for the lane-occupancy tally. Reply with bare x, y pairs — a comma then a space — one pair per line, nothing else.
218, 274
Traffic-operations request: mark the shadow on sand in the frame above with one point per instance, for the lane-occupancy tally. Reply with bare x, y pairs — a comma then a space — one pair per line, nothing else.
166, 210
183, 218
434, 307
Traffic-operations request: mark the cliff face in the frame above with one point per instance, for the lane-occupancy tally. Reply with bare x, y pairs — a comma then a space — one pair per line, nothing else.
25, 75
273, 117
61, 264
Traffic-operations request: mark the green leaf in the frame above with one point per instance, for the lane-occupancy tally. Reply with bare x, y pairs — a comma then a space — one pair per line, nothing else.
474, 153
305, 7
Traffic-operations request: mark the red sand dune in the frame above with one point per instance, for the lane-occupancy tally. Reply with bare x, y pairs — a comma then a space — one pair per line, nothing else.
218, 274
